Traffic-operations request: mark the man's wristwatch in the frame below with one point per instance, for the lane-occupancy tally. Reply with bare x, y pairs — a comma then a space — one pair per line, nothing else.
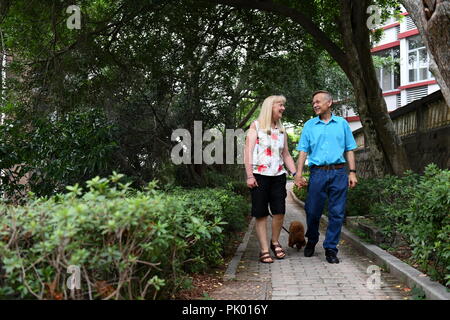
351, 170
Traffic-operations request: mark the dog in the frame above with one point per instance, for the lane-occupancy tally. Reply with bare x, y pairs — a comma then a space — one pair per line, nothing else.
297, 235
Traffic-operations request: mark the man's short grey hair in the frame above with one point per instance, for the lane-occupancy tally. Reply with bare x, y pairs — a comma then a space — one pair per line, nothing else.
328, 95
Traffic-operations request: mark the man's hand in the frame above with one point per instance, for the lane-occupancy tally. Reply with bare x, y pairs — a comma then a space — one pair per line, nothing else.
300, 181
352, 181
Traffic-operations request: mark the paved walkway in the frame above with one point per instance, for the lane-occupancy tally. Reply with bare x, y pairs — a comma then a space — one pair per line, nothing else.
299, 278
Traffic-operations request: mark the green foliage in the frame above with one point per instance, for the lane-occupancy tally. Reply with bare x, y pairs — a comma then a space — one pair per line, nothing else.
416, 206
428, 222
129, 244
300, 193
154, 66
50, 153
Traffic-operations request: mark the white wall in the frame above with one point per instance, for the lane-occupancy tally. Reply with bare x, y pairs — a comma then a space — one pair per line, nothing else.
354, 125
389, 35
391, 102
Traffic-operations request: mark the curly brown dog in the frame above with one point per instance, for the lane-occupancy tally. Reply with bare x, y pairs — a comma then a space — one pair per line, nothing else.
296, 235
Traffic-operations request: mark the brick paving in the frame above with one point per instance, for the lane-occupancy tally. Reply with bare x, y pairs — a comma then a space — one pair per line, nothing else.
297, 277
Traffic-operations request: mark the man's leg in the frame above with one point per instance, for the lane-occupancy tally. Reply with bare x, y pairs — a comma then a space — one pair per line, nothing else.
336, 208
315, 203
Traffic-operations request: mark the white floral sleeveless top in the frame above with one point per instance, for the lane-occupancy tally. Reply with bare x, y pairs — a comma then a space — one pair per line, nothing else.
267, 154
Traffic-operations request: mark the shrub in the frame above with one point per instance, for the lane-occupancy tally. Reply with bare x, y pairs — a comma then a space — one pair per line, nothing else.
128, 244
416, 206
427, 223
55, 151
300, 193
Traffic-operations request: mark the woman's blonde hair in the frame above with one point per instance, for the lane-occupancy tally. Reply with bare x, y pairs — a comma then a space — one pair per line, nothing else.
265, 116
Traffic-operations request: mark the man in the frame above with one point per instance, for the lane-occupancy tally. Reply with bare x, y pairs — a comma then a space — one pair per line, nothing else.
326, 138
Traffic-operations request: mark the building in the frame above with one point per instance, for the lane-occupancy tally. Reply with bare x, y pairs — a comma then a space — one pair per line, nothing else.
409, 78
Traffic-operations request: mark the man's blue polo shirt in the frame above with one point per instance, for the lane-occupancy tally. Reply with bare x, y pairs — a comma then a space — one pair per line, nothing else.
326, 143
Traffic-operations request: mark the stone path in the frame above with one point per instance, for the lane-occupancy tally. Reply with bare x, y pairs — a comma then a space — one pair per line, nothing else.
300, 278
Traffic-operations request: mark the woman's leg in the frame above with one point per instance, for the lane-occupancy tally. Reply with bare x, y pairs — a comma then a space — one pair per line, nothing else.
278, 208
261, 233
277, 224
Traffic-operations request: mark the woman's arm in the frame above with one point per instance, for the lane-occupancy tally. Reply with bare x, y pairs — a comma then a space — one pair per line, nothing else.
299, 180
250, 143
289, 162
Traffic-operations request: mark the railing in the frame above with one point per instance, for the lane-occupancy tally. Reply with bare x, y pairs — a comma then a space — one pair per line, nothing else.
424, 127
428, 113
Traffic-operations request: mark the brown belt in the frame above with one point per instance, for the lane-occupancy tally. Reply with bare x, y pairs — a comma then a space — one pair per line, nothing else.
330, 167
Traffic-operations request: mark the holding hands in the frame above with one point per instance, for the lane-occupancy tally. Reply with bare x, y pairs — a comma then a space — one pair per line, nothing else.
300, 181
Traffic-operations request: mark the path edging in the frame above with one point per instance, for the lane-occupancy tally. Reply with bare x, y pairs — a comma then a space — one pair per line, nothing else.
412, 277
230, 273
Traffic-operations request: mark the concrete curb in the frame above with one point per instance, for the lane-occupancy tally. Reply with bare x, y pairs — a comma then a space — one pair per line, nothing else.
399, 269
230, 273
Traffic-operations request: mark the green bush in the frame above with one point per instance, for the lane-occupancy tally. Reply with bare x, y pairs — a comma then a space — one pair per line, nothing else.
56, 151
417, 207
427, 222
128, 244
300, 193
211, 203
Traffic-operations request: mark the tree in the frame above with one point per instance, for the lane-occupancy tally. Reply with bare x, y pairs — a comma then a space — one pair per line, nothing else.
432, 18
340, 28
153, 67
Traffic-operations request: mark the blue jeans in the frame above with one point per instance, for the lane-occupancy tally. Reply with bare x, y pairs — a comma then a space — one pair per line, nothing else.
323, 184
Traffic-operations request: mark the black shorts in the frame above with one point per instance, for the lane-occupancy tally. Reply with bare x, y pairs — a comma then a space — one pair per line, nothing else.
271, 191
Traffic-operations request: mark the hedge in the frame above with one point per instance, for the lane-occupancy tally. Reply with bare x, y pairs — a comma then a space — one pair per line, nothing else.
418, 207
127, 244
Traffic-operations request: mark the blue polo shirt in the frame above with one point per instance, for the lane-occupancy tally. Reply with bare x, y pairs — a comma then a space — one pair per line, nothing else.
326, 143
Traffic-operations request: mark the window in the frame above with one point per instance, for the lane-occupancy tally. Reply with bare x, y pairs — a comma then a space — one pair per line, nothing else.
417, 60
388, 68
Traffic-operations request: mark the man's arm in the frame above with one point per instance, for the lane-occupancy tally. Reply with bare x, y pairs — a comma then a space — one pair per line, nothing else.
352, 180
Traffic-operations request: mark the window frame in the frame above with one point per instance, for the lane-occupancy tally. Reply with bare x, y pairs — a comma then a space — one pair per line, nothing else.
380, 71
417, 65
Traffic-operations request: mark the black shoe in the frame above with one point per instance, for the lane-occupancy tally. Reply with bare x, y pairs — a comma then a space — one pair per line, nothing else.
331, 256
309, 249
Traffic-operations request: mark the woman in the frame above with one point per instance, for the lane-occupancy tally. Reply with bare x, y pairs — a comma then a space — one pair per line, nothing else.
266, 152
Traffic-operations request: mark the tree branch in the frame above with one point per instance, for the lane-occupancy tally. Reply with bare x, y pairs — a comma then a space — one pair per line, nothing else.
337, 53
249, 114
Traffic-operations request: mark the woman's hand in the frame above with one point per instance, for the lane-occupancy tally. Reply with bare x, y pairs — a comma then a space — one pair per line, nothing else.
251, 182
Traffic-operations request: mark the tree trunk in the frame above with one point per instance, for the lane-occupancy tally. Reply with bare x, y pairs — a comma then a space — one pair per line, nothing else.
432, 18
385, 147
